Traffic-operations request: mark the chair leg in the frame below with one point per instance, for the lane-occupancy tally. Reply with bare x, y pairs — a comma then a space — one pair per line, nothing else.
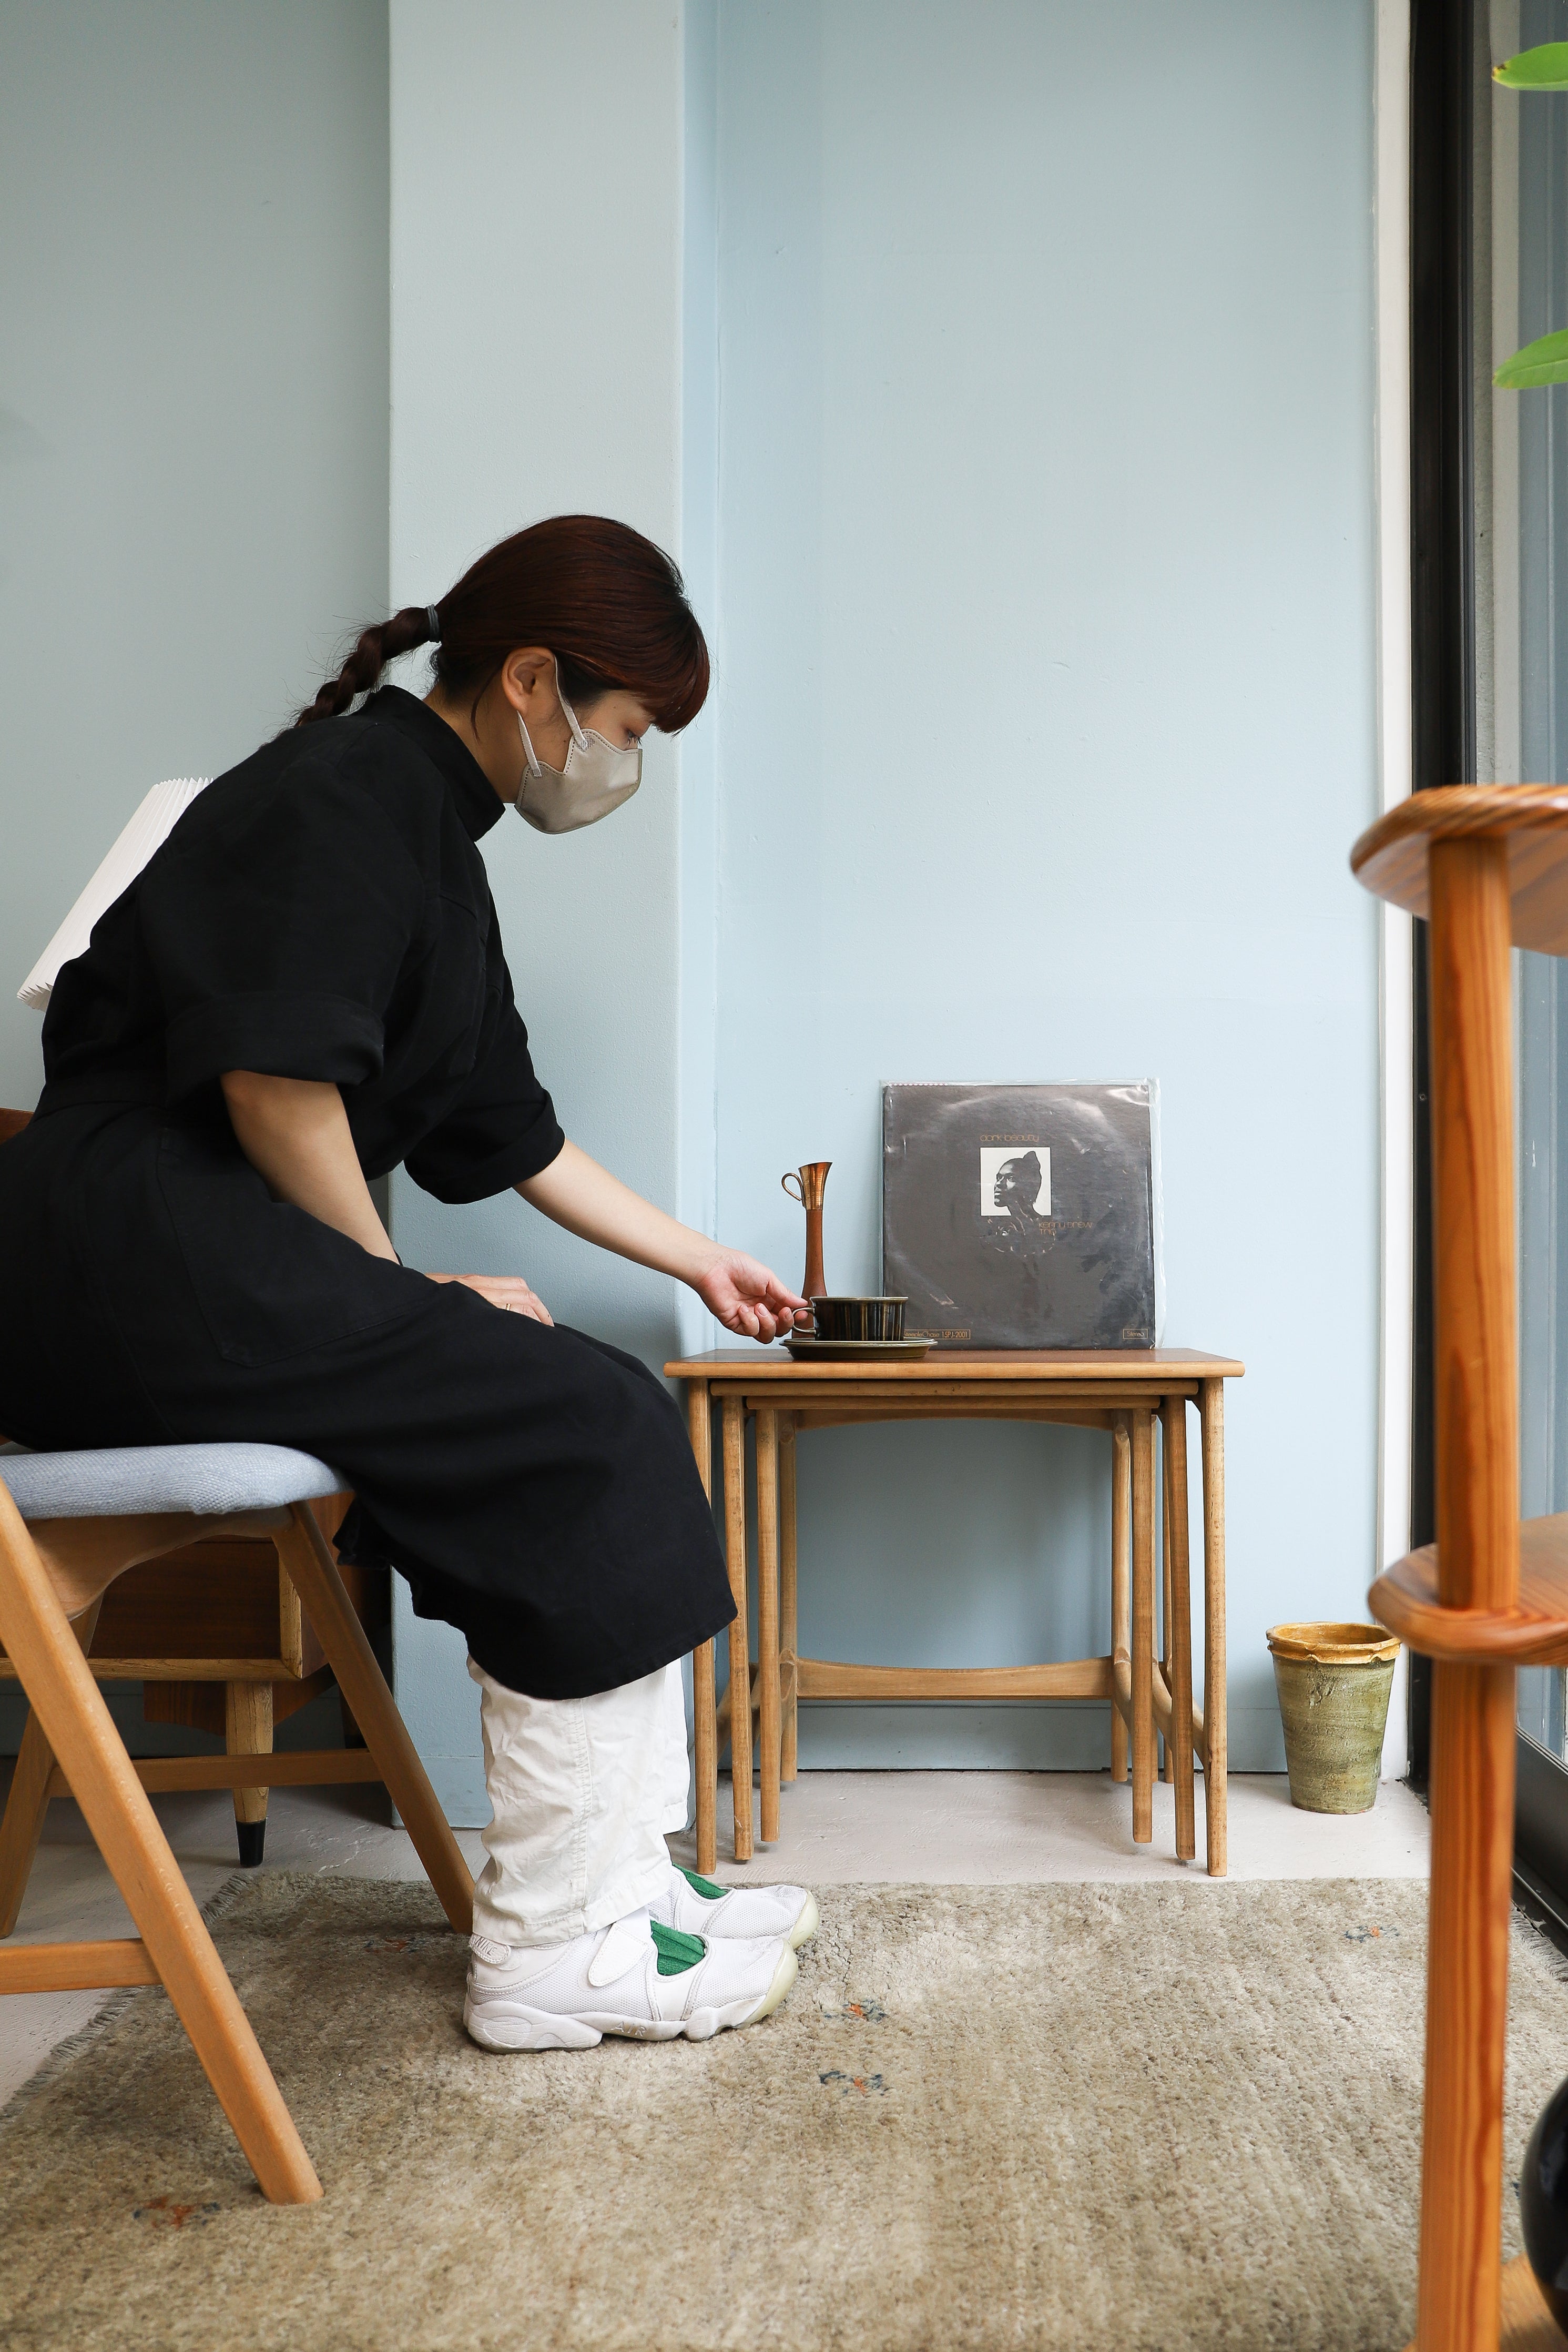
27, 1805
247, 1731
1121, 1589
1178, 1624
80, 1730
303, 1551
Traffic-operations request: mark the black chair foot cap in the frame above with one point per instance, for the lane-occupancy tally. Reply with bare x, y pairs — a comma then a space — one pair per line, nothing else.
252, 1837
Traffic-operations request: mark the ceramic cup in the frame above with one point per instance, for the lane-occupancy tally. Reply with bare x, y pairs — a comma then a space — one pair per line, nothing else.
858, 1319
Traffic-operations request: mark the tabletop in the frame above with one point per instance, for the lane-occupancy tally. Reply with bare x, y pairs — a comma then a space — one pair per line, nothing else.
1078, 1366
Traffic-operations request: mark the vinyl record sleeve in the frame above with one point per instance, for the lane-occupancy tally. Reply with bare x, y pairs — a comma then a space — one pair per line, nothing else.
1021, 1216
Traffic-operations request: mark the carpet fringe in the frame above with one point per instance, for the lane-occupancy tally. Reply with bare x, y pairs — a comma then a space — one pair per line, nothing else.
115, 2003
1546, 1947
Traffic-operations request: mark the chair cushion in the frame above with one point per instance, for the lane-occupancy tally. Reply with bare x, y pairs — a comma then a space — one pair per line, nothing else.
124, 1481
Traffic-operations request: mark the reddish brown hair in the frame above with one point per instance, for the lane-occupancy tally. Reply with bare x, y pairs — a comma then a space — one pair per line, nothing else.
607, 602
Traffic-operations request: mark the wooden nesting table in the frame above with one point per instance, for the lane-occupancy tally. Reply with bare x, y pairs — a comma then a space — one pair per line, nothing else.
1121, 1391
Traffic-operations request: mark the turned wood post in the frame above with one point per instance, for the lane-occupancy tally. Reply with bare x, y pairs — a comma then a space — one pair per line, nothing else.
1478, 1555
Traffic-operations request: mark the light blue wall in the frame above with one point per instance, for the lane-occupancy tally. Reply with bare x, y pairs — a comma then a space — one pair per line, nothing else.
697, 1032
193, 424
1045, 643
1002, 376
537, 369
192, 408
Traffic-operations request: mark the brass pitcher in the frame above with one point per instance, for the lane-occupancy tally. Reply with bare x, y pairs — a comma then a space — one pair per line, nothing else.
810, 1185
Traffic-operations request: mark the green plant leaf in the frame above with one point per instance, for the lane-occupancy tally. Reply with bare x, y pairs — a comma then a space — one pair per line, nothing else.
1545, 360
1543, 69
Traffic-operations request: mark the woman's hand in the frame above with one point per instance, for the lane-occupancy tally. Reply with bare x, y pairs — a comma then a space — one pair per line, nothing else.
507, 1291
588, 1200
747, 1298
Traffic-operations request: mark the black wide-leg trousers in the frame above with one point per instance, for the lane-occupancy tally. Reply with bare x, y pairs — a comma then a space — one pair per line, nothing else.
535, 1486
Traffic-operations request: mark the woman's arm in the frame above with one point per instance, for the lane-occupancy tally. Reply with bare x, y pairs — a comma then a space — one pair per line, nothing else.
294, 1133
577, 1192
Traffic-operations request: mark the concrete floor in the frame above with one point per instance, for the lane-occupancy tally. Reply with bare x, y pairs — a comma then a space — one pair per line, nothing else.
997, 1828
838, 1828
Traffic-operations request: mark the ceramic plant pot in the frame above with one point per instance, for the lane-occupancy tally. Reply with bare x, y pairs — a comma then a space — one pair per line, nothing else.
1333, 1683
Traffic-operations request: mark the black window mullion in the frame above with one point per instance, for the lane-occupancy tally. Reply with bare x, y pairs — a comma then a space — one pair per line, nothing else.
1443, 634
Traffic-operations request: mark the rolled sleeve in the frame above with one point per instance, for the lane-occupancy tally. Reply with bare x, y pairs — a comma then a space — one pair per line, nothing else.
284, 1032
503, 1128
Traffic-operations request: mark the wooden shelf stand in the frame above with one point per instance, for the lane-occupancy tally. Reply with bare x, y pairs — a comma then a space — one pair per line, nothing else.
1487, 866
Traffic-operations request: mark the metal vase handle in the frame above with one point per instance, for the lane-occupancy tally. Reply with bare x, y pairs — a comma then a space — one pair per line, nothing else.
810, 1184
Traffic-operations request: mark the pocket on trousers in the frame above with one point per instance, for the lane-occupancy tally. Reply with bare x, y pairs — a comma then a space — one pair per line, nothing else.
269, 1280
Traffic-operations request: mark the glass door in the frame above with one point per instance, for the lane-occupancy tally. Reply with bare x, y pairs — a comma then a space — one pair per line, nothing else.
1519, 477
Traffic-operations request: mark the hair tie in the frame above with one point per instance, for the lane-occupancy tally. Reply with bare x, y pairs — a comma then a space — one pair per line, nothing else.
433, 617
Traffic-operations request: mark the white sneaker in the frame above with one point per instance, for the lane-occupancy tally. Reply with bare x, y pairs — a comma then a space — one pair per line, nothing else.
641, 1978
703, 1908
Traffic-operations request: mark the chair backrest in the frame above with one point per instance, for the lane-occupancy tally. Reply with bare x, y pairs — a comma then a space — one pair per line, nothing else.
12, 1122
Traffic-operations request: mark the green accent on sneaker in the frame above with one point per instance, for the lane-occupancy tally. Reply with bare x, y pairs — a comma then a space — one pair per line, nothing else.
677, 1951
704, 1885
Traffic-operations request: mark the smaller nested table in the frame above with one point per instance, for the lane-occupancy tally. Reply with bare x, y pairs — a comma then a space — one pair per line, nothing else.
1121, 1391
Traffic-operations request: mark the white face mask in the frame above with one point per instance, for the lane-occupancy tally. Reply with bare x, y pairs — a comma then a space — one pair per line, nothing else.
598, 776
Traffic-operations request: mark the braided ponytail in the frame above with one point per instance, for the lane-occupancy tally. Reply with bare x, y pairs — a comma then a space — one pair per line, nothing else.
606, 602
379, 644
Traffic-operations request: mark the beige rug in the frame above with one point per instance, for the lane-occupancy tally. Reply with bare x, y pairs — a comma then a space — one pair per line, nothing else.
1131, 2116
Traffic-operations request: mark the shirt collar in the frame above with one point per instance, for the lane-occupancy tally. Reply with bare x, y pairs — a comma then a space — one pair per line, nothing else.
478, 804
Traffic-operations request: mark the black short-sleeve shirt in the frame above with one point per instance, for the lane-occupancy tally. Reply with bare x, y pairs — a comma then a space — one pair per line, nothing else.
321, 911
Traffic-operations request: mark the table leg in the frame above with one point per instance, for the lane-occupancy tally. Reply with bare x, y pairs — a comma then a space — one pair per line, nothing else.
1143, 1625
1211, 1415
1120, 1590
788, 1638
705, 1725
768, 1616
740, 1641
1167, 1767
1178, 1623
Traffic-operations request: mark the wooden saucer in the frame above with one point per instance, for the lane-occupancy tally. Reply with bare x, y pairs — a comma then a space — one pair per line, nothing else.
848, 1350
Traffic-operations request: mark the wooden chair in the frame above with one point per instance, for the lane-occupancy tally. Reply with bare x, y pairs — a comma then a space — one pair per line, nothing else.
215, 1637
214, 1634
1487, 864
69, 1525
